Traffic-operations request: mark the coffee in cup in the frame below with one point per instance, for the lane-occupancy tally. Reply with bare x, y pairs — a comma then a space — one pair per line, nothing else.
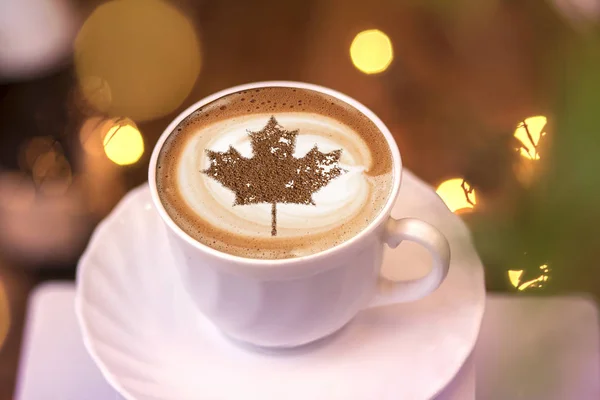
274, 172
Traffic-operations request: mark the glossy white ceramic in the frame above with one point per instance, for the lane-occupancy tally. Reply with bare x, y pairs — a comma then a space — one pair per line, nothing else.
294, 301
150, 342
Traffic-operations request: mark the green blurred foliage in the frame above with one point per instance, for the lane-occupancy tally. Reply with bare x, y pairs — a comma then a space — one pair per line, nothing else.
556, 220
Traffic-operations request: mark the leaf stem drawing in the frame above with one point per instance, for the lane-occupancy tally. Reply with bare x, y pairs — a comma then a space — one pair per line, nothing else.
273, 219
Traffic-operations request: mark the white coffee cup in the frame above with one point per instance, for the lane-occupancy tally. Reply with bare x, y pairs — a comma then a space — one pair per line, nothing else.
290, 302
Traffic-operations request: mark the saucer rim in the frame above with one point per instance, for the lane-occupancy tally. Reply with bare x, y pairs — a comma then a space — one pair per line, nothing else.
132, 195
79, 298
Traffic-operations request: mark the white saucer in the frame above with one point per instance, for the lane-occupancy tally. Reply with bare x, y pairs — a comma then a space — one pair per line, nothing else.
149, 342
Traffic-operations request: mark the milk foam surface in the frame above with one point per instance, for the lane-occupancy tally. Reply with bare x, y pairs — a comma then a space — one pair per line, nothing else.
205, 209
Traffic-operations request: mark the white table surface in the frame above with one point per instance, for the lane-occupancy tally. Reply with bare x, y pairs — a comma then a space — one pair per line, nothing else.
529, 348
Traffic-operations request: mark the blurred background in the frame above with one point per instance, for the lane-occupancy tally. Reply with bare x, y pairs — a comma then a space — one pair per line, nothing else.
492, 102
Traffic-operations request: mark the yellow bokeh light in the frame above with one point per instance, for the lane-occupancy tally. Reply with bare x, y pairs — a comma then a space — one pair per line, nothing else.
52, 173
92, 133
139, 58
514, 276
529, 132
96, 92
457, 194
123, 144
371, 51
44, 158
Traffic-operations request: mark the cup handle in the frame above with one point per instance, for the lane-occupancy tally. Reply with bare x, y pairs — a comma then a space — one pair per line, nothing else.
415, 230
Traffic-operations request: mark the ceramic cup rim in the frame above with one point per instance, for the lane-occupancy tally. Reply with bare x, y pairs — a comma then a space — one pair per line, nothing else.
262, 263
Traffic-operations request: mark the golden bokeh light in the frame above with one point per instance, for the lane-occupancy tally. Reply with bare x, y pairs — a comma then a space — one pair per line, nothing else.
139, 58
458, 195
50, 170
92, 133
123, 143
514, 276
529, 132
52, 173
102, 179
96, 92
371, 51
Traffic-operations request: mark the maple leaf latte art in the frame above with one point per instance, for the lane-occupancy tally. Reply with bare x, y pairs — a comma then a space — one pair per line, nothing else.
274, 173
